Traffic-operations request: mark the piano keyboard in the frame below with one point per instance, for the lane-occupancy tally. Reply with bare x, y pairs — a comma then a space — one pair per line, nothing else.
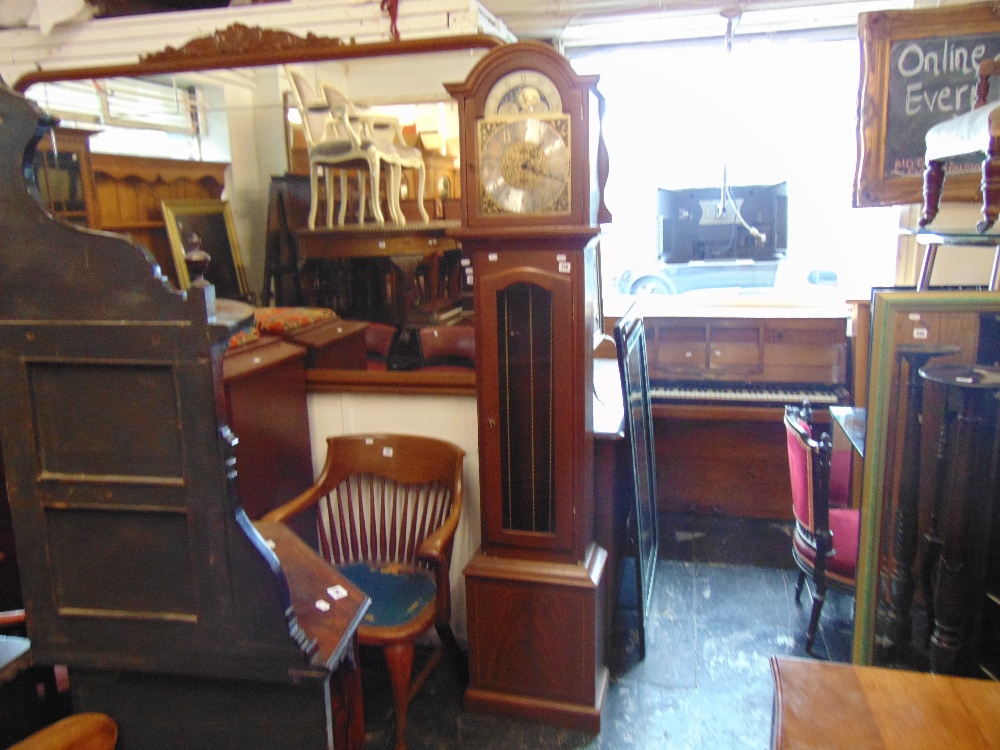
760, 393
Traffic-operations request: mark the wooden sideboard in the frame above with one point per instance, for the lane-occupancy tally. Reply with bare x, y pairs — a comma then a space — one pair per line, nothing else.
265, 391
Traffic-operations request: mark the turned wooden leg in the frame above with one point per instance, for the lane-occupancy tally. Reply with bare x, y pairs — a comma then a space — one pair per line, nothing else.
898, 624
933, 182
932, 538
991, 186
399, 657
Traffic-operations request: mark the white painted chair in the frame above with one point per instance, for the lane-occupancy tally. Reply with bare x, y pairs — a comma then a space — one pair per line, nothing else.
387, 133
334, 142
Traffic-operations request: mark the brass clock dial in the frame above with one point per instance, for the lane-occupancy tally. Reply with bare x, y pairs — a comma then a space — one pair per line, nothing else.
524, 165
523, 92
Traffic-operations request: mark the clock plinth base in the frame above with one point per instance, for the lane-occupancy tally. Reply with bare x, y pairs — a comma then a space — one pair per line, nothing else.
536, 639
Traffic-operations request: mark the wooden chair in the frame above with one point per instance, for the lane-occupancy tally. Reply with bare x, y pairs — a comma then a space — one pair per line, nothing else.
825, 541
84, 731
974, 131
334, 141
388, 510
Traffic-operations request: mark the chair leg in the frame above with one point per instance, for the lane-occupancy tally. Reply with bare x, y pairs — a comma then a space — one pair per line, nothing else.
991, 186
362, 195
798, 586
421, 178
342, 212
376, 175
395, 180
399, 657
819, 597
328, 181
313, 195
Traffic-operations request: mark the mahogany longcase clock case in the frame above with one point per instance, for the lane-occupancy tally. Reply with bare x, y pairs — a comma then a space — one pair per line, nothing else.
535, 589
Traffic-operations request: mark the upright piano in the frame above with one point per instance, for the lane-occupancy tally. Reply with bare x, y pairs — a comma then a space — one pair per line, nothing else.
720, 378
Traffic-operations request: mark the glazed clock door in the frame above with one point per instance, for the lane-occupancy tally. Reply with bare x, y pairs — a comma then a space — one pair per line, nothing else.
526, 408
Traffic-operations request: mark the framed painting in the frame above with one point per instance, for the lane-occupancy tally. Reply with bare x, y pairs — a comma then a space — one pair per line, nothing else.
918, 68
901, 319
207, 224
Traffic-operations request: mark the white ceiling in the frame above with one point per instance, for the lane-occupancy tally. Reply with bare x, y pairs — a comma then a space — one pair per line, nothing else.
584, 23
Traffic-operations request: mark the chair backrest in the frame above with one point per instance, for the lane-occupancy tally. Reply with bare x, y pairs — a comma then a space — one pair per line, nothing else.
316, 120
448, 347
809, 469
384, 495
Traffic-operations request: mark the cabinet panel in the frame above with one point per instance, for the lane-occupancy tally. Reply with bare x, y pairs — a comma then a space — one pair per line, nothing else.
678, 349
527, 420
734, 349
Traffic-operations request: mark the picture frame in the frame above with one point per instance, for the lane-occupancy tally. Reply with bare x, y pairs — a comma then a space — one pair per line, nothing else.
899, 317
915, 65
211, 221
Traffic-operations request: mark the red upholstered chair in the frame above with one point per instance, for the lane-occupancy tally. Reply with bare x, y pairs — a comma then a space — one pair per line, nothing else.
388, 507
379, 338
448, 348
825, 541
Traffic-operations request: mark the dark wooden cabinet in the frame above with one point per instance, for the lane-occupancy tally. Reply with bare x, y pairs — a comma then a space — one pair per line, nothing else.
265, 392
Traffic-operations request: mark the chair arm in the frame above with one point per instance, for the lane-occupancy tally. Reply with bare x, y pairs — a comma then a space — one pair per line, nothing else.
437, 547
342, 114
84, 731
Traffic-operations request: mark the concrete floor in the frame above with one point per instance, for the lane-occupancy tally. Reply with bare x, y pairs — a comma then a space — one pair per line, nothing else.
723, 603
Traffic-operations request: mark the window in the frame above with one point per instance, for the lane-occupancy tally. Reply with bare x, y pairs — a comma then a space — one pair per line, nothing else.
776, 108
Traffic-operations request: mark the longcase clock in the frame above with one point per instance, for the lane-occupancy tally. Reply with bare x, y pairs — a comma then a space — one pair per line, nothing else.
535, 589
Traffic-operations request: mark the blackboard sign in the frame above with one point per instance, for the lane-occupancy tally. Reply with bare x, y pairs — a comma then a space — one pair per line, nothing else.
931, 80
919, 69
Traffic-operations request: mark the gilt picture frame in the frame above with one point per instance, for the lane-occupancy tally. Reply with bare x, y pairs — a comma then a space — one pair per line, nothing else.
918, 67
207, 224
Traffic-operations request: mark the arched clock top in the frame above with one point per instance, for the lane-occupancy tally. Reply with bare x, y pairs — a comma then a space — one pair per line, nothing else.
534, 60
54, 270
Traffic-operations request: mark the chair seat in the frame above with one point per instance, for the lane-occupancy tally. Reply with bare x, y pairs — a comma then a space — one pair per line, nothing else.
842, 566
965, 134
405, 592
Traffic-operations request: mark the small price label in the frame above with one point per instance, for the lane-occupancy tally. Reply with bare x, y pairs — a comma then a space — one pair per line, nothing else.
337, 592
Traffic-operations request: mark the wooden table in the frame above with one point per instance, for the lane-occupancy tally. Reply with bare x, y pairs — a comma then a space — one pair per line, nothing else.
826, 705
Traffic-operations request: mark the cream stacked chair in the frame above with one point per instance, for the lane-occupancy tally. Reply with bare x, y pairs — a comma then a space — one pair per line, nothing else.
335, 142
386, 131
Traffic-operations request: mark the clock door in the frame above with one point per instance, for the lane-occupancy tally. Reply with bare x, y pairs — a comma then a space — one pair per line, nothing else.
526, 408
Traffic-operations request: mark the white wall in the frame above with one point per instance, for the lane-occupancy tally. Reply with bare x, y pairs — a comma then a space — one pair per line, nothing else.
451, 418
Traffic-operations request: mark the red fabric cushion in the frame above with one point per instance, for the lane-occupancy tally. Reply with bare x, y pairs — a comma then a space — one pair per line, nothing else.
800, 470
843, 564
280, 319
244, 337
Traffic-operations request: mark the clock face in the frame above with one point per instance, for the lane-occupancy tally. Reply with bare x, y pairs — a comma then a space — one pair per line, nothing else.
523, 92
524, 166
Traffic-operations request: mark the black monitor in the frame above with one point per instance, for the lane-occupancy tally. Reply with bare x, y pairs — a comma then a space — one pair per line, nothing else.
693, 226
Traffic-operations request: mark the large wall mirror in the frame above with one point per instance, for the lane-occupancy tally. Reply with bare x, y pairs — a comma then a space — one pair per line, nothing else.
227, 98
